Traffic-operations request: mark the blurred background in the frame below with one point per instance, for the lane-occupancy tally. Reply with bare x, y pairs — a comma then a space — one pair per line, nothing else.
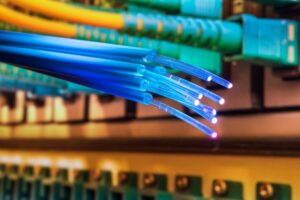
61, 141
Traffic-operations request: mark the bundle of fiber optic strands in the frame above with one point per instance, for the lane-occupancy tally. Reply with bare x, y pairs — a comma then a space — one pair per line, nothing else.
174, 49
131, 73
14, 78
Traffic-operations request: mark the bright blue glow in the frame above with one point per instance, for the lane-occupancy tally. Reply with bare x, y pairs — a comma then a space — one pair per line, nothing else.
131, 73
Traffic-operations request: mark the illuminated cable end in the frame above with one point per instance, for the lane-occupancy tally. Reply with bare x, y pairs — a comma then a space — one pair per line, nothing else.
196, 102
209, 79
214, 135
214, 120
222, 101
214, 112
230, 85
200, 96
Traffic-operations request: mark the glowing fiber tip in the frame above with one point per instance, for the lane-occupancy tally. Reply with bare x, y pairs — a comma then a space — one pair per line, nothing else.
214, 120
230, 85
214, 135
222, 101
196, 102
200, 96
214, 112
209, 78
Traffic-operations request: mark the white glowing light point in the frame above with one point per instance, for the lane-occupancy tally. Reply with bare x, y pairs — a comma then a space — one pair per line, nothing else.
214, 135
196, 102
200, 96
214, 112
222, 101
214, 120
230, 85
209, 78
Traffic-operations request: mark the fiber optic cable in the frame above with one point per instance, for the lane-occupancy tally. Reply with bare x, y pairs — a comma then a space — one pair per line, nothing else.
32, 59
196, 88
101, 50
134, 77
191, 86
184, 117
197, 72
99, 44
86, 46
68, 60
166, 92
176, 87
186, 101
66, 45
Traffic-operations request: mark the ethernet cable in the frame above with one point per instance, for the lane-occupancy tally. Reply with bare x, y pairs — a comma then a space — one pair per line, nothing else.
134, 76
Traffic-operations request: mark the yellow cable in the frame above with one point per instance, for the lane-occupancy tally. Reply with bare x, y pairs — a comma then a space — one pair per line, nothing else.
71, 13
36, 24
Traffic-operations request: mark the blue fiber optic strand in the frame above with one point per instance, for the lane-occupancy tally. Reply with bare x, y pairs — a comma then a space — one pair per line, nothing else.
184, 117
79, 47
189, 69
186, 102
131, 73
193, 88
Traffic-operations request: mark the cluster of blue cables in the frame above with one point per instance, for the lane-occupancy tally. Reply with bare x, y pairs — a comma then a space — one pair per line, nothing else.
128, 72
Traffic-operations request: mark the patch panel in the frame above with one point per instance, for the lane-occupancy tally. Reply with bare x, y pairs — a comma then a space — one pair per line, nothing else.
106, 107
13, 114
70, 109
164, 183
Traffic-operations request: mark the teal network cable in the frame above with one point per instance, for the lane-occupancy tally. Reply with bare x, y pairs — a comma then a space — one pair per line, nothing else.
132, 73
197, 8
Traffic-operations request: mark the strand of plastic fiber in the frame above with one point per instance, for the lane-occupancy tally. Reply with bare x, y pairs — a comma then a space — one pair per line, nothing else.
184, 117
79, 47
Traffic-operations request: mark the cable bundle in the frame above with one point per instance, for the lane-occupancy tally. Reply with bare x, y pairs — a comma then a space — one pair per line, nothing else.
131, 73
225, 36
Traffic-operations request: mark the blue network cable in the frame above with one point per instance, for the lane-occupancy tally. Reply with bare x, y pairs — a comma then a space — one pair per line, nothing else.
131, 73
